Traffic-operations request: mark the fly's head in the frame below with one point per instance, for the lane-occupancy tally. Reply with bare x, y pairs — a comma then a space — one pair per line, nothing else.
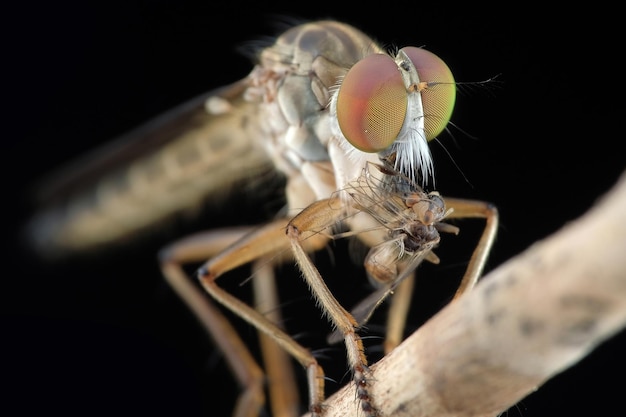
393, 106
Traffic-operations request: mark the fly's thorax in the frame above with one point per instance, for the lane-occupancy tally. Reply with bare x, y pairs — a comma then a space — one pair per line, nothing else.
322, 47
293, 83
291, 128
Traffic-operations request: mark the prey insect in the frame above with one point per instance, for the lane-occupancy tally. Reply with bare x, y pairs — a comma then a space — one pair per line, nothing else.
347, 123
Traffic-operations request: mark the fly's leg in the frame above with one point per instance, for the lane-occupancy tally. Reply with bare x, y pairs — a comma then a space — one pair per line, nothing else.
240, 360
400, 303
300, 230
401, 300
463, 209
398, 313
283, 392
266, 242
282, 388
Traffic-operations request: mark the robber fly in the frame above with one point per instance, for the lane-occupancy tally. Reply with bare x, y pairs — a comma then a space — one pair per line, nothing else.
347, 123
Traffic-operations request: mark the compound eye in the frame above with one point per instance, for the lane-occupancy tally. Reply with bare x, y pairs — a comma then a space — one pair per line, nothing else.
438, 89
372, 103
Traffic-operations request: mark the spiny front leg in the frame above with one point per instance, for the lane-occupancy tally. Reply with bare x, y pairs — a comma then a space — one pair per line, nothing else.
314, 218
267, 242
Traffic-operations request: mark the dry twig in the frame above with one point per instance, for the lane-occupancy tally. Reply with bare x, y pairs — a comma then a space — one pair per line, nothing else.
528, 320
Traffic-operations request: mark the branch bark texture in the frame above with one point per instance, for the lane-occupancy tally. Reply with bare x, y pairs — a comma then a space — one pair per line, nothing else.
531, 318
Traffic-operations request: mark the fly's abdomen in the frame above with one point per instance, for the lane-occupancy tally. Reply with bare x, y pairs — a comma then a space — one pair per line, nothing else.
191, 156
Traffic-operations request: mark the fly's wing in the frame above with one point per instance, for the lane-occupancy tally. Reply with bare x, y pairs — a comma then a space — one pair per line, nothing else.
171, 164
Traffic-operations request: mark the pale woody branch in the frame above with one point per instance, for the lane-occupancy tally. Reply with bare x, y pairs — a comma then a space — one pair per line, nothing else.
531, 318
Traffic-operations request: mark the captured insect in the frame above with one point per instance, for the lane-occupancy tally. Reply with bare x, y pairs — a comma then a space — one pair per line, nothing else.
347, 123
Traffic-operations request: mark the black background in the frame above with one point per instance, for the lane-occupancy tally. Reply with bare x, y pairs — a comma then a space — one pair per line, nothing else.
105, 334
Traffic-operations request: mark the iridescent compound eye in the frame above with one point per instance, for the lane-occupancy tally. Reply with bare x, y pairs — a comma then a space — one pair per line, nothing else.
371, 103
372, 100
439, 94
